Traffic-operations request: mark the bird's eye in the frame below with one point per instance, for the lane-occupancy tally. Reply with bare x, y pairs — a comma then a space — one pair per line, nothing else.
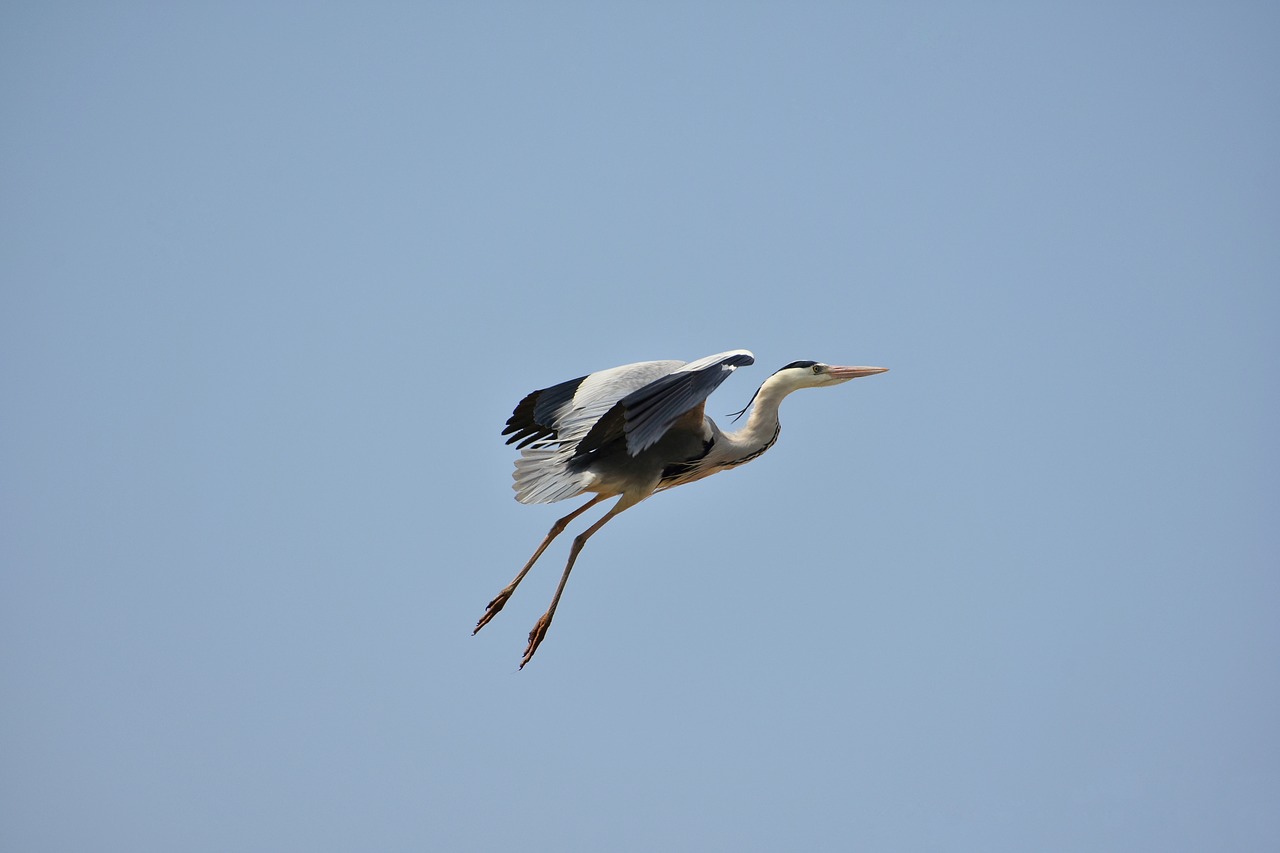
817, 368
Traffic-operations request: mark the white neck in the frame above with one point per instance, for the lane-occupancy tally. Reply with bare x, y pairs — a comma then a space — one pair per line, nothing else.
761, 429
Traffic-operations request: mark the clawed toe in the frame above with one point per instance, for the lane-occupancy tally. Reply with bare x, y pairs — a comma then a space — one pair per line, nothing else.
493, 609
536, 637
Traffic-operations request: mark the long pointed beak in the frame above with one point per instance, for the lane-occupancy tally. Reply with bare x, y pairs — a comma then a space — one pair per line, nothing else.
855, 372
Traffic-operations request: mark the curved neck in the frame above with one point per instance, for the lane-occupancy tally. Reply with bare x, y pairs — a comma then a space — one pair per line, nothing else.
761, 429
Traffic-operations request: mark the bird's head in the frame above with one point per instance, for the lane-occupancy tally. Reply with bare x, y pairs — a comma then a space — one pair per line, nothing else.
808, 374
815, 374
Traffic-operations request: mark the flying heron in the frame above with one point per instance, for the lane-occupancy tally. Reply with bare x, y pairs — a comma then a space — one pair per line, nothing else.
630, 431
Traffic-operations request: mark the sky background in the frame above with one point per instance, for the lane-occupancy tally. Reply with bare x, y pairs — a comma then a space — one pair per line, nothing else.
275, 274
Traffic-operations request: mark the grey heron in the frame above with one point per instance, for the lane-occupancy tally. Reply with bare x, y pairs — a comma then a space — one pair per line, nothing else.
630, 431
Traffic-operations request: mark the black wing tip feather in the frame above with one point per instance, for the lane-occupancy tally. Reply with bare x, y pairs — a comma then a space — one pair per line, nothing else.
523, 426
534, 416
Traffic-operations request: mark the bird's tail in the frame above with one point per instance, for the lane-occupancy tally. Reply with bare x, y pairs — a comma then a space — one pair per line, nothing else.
542, 475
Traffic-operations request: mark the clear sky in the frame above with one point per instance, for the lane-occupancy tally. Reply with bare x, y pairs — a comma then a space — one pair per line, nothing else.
274, 276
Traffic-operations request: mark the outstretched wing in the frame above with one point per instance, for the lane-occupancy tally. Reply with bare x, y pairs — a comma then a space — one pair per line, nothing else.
565, 412
639, 401
548, 424
644, 415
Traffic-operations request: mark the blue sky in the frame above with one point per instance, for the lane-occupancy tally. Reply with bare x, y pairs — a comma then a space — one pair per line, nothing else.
275, 275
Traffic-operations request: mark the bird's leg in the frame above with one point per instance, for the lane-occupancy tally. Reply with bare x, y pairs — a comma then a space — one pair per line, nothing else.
539, 631
556, 529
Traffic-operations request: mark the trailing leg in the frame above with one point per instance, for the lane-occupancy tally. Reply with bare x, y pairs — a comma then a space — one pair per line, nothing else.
556, 529
539, 631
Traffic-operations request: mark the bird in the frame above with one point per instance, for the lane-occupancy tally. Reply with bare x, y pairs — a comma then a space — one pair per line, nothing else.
631, 431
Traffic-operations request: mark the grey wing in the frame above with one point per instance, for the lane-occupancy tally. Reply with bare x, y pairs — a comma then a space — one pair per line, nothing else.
549, 424
564, 413
644, 415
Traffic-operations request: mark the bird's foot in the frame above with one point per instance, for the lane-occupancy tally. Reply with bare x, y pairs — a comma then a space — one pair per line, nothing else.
536, 636
494, 607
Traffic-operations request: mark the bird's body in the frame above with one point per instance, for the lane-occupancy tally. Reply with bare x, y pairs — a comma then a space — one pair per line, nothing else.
631, 431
